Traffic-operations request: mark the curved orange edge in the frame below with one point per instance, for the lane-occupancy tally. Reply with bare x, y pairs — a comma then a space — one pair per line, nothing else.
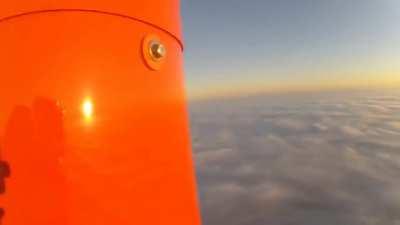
4, 19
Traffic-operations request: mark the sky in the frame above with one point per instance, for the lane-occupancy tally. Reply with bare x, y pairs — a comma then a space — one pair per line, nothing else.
235, 47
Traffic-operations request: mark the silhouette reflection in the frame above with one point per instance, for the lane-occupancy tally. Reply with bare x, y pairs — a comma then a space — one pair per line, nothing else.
34, 145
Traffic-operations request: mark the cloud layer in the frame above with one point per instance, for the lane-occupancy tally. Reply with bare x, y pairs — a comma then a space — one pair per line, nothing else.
331, 158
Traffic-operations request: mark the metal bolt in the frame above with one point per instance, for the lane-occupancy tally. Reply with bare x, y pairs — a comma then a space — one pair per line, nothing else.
157, 50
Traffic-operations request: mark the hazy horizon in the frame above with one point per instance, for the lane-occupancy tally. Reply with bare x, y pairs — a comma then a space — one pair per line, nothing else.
277, 91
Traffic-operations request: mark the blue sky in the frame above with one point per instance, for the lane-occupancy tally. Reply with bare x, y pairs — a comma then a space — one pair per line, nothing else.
249, 46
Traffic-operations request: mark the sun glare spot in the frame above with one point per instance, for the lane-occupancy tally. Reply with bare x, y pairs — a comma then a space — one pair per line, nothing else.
87, 109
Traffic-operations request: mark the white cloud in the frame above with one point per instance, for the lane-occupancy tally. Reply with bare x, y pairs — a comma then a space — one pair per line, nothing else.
291, 124
305, 163
351, 131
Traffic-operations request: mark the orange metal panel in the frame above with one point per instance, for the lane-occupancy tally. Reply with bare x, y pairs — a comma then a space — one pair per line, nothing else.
91, 133
160, 13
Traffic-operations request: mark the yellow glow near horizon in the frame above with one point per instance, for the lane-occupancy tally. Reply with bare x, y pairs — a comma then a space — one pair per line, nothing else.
87, 109
351, 81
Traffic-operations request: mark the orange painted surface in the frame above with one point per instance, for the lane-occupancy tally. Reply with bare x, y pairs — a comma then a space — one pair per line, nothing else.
92, 135
164, 14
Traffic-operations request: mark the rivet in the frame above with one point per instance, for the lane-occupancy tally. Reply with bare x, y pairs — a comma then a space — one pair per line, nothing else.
154, 52
157, 50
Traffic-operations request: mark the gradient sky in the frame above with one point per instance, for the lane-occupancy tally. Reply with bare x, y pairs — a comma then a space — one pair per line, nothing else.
238, 46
